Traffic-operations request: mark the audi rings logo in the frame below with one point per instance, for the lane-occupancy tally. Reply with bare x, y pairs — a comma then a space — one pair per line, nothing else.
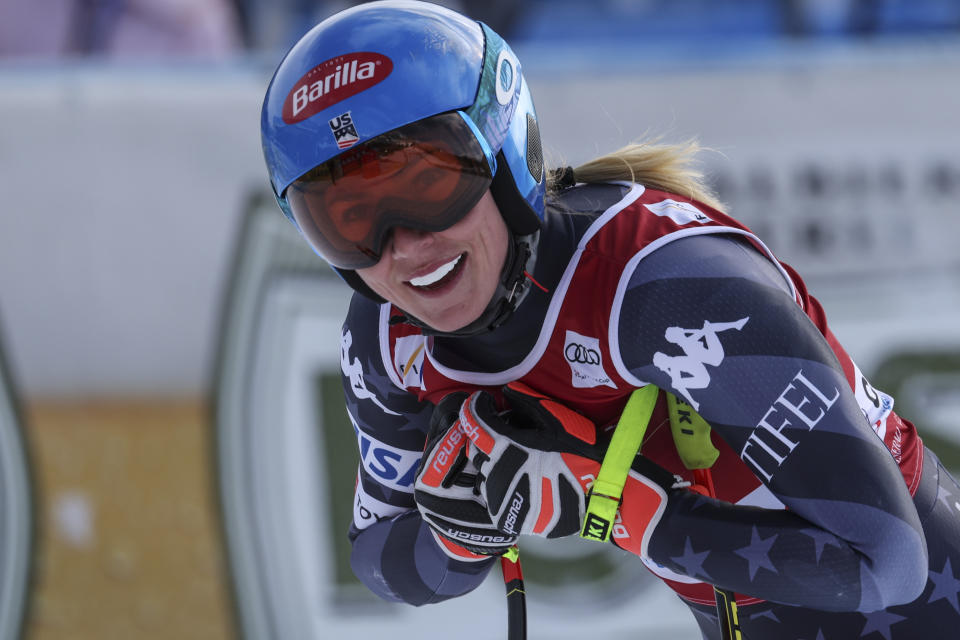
576, 352
583, 354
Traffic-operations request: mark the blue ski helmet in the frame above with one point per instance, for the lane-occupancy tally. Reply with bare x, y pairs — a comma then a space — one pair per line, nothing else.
378, 67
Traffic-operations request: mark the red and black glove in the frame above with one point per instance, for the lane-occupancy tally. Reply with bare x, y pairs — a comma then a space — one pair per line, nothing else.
526, 470
488, 476
536, 461
447, 487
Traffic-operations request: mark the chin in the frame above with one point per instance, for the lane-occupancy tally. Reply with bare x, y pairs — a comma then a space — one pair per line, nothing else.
451, 321
449, 325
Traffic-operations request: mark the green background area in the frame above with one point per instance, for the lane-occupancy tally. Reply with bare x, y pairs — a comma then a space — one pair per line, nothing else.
894, 376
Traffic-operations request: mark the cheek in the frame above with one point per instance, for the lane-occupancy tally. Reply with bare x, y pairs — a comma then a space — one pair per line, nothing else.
496, 239
375, 277
502, 243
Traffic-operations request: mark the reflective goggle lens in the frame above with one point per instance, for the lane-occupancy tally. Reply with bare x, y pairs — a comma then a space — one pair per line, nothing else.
425, 176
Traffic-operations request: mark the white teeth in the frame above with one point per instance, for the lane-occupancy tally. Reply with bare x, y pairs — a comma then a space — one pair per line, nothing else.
436, 275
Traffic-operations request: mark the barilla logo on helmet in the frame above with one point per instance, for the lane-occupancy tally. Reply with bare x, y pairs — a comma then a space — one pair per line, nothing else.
334, 80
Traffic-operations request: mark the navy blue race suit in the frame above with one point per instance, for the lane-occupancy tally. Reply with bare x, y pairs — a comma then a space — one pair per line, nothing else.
832, 519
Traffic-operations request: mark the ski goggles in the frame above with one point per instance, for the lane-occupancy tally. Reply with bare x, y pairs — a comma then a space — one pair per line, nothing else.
426, 176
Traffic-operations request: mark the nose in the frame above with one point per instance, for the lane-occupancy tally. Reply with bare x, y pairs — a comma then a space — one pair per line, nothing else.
406, 243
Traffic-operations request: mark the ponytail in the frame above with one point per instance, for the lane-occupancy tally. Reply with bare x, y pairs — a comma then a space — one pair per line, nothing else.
665, 167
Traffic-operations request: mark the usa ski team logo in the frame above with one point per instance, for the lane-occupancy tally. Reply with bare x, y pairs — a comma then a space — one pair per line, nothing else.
344, 130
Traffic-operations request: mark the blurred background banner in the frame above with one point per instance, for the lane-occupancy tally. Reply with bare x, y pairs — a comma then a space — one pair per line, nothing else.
177, 348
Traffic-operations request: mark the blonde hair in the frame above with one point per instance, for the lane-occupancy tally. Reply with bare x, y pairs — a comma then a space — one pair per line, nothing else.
665, 167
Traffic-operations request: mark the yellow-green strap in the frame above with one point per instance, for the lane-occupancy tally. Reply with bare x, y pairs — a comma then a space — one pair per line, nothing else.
691, 434
604, 498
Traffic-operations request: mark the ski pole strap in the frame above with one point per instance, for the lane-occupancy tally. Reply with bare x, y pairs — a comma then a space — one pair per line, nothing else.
604, 498
691, 434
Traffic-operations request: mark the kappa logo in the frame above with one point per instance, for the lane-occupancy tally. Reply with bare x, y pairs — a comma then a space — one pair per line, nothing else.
701, 347
682, 213
354, 371
582, 353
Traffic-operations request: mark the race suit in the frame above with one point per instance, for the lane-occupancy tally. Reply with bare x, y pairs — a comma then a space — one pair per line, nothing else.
832, 520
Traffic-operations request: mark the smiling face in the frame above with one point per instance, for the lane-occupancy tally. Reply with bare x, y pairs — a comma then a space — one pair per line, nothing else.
444, 278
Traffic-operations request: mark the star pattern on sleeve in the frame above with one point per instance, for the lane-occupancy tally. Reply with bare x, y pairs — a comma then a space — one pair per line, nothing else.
821, 539
880, 622
766, 614
944, 496
699, 501
757, 553
945, 586
691, 562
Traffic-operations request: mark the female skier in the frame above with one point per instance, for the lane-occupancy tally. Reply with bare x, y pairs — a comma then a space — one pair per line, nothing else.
504, 315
